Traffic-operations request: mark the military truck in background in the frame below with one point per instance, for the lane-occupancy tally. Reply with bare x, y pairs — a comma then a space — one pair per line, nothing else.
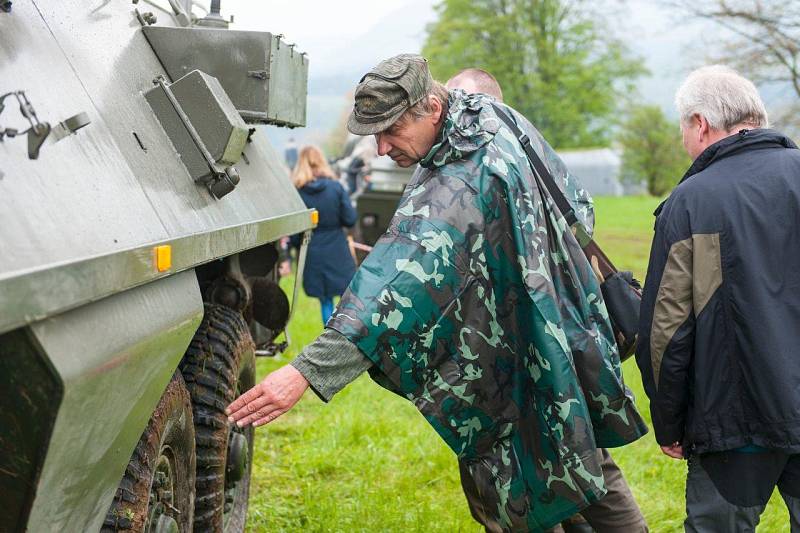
376, 185
378, 201
140, 206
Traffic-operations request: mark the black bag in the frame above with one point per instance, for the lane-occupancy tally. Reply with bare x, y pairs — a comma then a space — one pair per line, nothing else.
621, 292
623, 296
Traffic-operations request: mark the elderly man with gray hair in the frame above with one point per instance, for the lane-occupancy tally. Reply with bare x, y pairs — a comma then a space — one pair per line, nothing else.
719, 336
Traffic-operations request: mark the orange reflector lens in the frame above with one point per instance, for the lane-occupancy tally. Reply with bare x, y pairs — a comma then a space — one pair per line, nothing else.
163, 257
315, 217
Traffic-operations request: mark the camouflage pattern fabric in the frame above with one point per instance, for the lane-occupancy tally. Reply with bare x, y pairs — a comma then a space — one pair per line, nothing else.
578, 197
479, 306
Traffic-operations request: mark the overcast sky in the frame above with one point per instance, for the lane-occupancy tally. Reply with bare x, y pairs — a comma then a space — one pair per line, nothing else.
318, 27
325, 29
307, 19
344, 38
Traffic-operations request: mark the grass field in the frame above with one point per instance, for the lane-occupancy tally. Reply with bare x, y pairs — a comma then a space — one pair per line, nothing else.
368, 461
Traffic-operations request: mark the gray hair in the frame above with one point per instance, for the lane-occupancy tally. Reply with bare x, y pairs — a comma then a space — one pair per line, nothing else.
721, 95
423, 108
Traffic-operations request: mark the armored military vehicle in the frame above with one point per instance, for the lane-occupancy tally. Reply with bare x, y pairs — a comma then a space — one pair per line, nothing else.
140, 204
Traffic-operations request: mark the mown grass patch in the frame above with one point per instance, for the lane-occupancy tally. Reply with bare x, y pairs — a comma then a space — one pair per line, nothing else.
368, 461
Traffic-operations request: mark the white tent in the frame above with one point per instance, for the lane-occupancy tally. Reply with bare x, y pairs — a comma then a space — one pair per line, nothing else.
598, 169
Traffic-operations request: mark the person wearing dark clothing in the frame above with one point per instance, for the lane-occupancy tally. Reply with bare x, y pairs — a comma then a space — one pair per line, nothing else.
329, 265
719, 335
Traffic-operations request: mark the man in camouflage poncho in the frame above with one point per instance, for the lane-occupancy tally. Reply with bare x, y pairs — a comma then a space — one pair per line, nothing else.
617, 511
478, 305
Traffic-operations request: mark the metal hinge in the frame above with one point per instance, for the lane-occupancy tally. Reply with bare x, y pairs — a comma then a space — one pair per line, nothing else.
259, 74
37, 132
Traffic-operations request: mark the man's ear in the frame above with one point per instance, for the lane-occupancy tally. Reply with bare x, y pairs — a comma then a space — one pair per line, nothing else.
438, 110
702, 126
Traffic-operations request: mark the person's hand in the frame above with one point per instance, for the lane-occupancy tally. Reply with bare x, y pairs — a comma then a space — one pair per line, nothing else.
268, 400
674, 450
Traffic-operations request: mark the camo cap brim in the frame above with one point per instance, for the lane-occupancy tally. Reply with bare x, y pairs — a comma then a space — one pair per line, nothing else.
388, 91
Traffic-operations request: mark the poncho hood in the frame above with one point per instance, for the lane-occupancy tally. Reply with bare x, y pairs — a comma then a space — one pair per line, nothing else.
467, 127
479, 306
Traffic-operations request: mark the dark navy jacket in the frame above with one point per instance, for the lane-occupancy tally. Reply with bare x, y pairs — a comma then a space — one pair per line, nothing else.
719, 335
329, 265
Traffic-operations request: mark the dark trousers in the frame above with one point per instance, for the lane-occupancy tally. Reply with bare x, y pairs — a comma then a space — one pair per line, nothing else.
616, 512
728, 491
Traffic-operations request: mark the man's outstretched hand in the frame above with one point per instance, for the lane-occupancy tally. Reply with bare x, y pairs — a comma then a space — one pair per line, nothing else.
268, 400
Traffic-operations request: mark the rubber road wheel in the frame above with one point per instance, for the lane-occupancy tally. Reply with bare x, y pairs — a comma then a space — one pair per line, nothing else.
157, 491
218, 366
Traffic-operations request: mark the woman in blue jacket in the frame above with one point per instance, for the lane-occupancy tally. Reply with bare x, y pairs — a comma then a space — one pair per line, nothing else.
329, 264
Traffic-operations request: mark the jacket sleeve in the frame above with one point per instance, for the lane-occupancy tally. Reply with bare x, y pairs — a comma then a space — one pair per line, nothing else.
667, 324
347, 213
330, 363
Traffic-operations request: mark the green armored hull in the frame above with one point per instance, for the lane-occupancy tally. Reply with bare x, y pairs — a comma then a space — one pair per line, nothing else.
140, 206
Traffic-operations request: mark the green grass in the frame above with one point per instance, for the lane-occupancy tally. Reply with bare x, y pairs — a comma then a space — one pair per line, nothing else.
368, 461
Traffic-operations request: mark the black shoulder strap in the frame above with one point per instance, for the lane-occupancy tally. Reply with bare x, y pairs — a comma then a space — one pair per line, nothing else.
539, 168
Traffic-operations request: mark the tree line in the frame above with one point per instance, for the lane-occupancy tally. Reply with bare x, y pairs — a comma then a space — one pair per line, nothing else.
561, 67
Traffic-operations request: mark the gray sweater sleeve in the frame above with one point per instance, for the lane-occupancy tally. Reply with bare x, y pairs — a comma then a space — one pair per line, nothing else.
330, 363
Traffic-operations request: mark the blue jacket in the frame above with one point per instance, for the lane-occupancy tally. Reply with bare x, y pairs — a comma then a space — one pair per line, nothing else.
719, 333
329, 265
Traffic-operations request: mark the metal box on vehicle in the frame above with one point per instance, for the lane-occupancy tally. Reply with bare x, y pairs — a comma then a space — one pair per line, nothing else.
263, 75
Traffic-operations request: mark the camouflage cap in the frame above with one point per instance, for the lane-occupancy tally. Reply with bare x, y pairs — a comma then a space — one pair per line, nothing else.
387, 91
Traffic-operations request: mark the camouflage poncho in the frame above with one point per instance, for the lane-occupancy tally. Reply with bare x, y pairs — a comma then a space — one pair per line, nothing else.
479, 306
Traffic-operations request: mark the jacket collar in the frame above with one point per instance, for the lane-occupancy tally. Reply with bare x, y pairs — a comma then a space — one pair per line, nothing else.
733, 144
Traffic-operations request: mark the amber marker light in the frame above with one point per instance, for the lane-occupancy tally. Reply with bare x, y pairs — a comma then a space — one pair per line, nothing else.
315, 217
163, 257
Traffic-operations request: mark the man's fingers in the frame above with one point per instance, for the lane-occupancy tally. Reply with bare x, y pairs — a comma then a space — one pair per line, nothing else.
258, 405
262, 414
269, 418
244, 399
275, 395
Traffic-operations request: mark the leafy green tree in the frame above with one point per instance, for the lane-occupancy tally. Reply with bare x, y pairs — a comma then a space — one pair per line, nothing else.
555, 60
652, 150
